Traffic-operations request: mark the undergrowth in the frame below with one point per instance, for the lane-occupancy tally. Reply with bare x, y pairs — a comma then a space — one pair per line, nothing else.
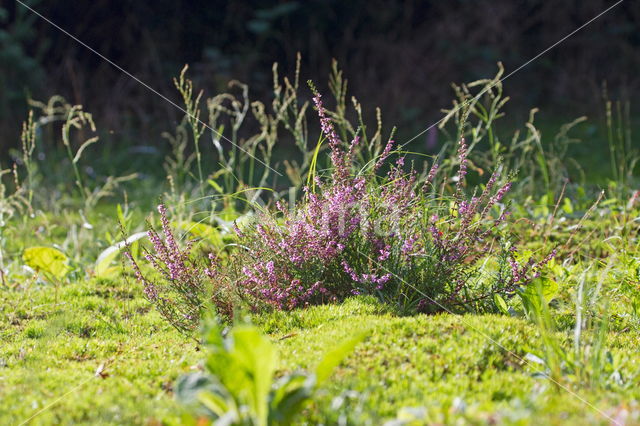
539, 267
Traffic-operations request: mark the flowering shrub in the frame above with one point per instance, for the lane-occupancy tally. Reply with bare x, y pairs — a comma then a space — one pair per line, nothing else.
183, 285
389, 234
392, 237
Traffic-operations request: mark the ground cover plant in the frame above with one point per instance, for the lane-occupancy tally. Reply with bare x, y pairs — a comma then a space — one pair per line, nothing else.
490, 282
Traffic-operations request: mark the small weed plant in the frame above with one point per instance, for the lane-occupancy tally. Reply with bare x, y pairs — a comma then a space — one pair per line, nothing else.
239, 384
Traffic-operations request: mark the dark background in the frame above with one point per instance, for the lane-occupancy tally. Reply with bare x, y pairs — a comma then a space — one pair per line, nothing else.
399, 55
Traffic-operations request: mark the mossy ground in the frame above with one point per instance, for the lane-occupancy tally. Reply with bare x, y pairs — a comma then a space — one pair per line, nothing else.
95, 352
55, 340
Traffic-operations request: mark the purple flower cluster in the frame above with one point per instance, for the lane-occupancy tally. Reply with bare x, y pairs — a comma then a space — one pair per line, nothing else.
317, 233
529, 270
385, 154
340, 159
377, 280
462, 171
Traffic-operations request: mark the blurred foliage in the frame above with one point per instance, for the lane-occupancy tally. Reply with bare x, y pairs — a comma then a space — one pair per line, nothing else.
392, 50
21, 69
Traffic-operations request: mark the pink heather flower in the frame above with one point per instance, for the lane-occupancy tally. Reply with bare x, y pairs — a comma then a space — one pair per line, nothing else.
464, 209
499, 195
349, 270
408, 245
352, 149
271, 272
166, 229
237, 230
462, 171
180, 293
384, 155
492, 180
384, 253
338, 157
432, 174
158, 245
538, 267
436, 234
281, 207
150, 290
382, 281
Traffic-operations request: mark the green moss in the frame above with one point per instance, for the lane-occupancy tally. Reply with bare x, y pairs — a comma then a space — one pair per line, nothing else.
84, 356
51, 364
438, 362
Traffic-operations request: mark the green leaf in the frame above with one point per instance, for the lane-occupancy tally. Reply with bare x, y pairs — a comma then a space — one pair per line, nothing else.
501, 304
216, 403
48, 260
215, 186
202, 230
102, 266
334, 357
567, 206
188, 386
255, 354
289, 396
549, 288
545, 287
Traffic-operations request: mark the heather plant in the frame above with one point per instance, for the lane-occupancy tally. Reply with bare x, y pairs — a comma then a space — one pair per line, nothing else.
410, 239
392, 236
358, 231
180, 287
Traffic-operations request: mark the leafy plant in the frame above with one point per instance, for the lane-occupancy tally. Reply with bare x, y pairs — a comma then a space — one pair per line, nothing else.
239, 385
51, 262
587, 362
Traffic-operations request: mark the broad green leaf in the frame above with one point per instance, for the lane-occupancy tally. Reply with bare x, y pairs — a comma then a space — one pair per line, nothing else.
188, 386
257, 356
289, 396
546, 287
216, 403
549, 288
102, 266
523, 256
501, 304
48, 260
334, 357
567, 206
